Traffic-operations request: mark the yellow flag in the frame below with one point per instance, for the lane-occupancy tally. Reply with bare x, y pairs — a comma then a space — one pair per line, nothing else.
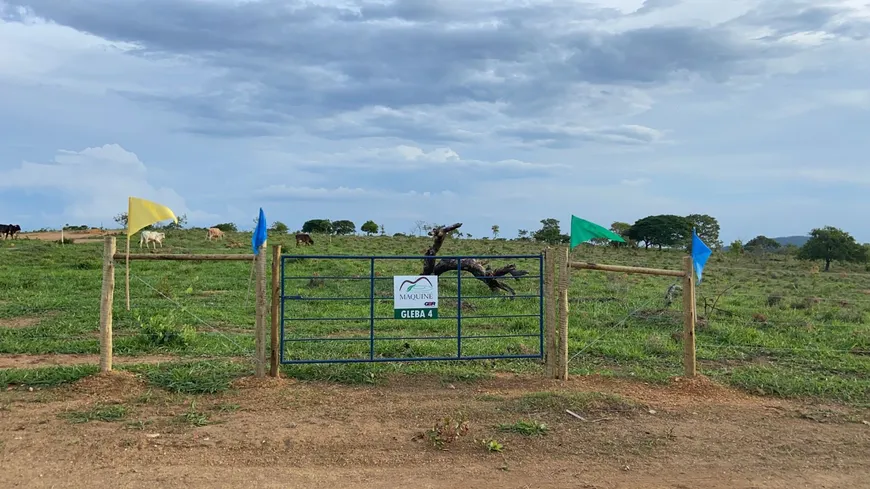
141, 213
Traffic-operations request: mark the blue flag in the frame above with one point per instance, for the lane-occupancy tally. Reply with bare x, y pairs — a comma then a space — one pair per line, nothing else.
259, 236
700, 254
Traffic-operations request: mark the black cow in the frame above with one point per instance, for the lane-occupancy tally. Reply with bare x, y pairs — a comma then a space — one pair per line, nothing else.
304, 238
9, 230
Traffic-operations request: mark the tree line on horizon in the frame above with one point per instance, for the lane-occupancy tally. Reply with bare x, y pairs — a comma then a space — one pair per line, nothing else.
662, 231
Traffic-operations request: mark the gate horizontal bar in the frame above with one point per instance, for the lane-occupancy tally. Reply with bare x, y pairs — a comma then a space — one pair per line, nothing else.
415, 359
300, 298
367, 277
412, 257
381, 318
399, 338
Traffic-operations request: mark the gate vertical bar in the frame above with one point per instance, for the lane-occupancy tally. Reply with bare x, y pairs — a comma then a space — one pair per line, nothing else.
372, 309
459, 308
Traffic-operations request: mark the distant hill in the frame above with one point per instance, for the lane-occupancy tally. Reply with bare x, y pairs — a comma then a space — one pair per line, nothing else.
792, 240
785, 241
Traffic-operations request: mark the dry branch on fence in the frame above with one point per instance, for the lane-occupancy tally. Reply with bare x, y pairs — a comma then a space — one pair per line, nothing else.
480, 270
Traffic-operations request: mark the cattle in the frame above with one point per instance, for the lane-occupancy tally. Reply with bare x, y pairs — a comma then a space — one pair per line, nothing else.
214, 233
9, 230
304, 238
151, 237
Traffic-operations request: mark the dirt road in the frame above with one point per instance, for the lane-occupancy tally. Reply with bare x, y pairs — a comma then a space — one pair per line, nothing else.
281, 433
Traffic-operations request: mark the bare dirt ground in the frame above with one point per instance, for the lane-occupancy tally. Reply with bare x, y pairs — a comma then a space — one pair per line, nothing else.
92, 234
283, 433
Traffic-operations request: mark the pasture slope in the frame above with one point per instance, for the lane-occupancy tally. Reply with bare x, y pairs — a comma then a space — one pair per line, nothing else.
784, 349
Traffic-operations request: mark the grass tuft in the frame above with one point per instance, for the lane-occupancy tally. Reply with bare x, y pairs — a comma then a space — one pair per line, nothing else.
192, 378
105, 413
525, 427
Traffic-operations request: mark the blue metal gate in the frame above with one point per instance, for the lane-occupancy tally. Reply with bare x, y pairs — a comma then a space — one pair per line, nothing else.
309, 296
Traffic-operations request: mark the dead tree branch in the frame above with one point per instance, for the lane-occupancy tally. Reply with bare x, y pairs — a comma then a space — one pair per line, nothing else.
480, 270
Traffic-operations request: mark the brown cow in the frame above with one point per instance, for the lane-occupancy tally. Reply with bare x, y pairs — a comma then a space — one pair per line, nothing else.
304, 238
214, 233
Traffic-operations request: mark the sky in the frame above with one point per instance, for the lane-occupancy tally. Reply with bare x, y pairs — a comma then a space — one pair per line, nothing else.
483, 112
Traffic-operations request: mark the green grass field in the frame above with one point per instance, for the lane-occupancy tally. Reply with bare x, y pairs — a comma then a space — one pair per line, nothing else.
778, 327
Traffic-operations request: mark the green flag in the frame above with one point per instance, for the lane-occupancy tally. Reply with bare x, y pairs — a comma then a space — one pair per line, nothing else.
582, 231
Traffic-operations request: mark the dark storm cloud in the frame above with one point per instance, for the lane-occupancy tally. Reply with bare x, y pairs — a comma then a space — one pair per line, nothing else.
313, 62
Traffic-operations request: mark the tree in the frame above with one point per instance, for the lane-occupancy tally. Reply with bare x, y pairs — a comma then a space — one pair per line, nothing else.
343, 227
495, 230
761, 244
523, 234
320, 226
369, 227
550, 232
707, 228
182, 220
621, 228
279, 227
419, 224
121, 219
383, 233
829, 244
661, 230
226, 227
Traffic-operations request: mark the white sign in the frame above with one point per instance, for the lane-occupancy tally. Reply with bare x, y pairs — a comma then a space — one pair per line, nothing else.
415, 296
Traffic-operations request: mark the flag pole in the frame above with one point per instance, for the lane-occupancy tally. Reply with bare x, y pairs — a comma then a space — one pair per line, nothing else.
127, 260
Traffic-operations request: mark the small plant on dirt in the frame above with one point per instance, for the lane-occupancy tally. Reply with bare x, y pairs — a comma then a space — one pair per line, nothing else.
492, 445
114, 412
447, 430
160, 330
138, 424
525, 427
227, 408
194, 417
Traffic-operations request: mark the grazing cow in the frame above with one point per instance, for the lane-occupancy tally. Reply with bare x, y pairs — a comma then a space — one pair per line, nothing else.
9, 230
214, 233
151, 237
304, 238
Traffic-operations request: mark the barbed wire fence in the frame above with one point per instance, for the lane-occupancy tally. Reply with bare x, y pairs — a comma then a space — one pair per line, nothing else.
756, 316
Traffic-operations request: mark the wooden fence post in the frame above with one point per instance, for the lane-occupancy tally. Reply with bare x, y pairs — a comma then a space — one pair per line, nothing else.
276, 298
550, 326
260, 325
689, 365
107, 298
564, 275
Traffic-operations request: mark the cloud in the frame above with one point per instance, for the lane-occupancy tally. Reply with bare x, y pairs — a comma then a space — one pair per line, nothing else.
95, 182
443, 110
366, 69
287, 193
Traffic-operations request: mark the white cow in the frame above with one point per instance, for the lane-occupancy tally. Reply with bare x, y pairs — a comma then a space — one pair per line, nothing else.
214, 233
151, 237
